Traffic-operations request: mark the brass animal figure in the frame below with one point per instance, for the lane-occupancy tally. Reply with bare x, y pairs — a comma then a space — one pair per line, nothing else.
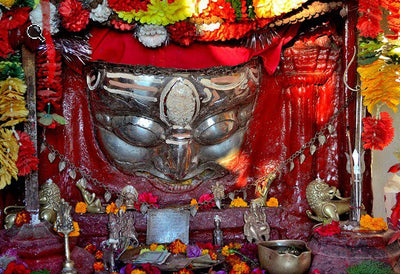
325, 201
49, 198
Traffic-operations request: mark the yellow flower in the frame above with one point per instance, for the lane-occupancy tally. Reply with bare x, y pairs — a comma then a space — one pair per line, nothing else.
272, 8
7, 3
160, 12
75, 232
213, 255
379, 85
81, 207
193, 202
153, 247
272, 202
8, 156
376, 224
138, 271
238, 202
112, 208
240, 268
12, 102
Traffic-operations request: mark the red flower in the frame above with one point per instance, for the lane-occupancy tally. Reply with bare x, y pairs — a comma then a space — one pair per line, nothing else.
395, 168
14, 268
5, 47
14, 18
394, 217
329, 229
378, 133
148, 198
91, 248
369, 26
182, 32
220, 8
207, 245
149, 269
74, 16
27, 161
206, 201
121, 25
128, 5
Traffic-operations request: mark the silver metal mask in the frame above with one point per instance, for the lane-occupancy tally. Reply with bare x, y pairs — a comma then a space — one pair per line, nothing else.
176, 125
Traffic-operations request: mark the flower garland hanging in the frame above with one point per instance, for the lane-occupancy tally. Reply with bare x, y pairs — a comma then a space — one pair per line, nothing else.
369, 19
379, 85
378, 131
393, 19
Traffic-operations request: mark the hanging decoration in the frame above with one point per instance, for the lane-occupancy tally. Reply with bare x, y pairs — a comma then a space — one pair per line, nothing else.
378, 131
379, 69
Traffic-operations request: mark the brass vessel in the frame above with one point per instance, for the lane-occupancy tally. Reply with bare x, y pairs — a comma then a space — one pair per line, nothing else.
284, 256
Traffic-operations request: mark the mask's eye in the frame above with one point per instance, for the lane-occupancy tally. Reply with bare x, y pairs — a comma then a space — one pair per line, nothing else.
216, 129
138, 131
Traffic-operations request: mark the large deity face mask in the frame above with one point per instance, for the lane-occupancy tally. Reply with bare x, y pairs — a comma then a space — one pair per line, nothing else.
176, 125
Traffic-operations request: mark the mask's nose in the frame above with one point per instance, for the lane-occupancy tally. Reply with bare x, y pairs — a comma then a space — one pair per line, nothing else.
179, 155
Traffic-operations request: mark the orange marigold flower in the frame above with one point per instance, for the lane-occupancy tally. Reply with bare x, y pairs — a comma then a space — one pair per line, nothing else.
212, 254
240, 268
272, 202
153, 247
75, 232
193, 202
81, 207
98, 266
22, 217
111, 208
184, 271
177, 247
238, 202
91, 248
138, 271
232, 259
98, 255
370, 223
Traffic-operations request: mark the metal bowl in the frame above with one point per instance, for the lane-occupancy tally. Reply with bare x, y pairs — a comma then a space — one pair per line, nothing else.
284, 256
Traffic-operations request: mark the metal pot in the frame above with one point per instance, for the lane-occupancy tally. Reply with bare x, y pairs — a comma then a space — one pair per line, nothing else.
284, 256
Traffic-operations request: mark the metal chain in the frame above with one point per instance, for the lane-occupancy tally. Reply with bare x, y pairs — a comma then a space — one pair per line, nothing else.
311, 142
257, 183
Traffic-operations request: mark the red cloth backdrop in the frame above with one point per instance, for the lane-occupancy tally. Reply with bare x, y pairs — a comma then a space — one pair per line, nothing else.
293, 104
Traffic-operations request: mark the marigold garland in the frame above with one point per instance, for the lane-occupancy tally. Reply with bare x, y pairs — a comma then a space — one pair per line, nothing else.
370, 16
12, 102
8, 157
379, 85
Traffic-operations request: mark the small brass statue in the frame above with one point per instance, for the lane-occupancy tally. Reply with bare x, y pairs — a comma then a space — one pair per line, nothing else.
218, 191
256, 227
49, 198
321, 199
93, 204
129, 196
65, 226
218, 237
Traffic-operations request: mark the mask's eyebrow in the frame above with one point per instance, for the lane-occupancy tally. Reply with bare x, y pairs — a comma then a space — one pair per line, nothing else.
131, 85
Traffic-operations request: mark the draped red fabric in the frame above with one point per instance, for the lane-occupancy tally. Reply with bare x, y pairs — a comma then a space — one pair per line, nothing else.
122, 48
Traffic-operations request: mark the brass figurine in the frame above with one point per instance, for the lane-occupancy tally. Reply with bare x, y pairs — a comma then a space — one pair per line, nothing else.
65, 226
93, 204
218, 237
321, 199
49, 198
218, 191
256, 227
129, 196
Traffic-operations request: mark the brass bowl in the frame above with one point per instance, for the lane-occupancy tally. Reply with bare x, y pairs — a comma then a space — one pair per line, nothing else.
284, 256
